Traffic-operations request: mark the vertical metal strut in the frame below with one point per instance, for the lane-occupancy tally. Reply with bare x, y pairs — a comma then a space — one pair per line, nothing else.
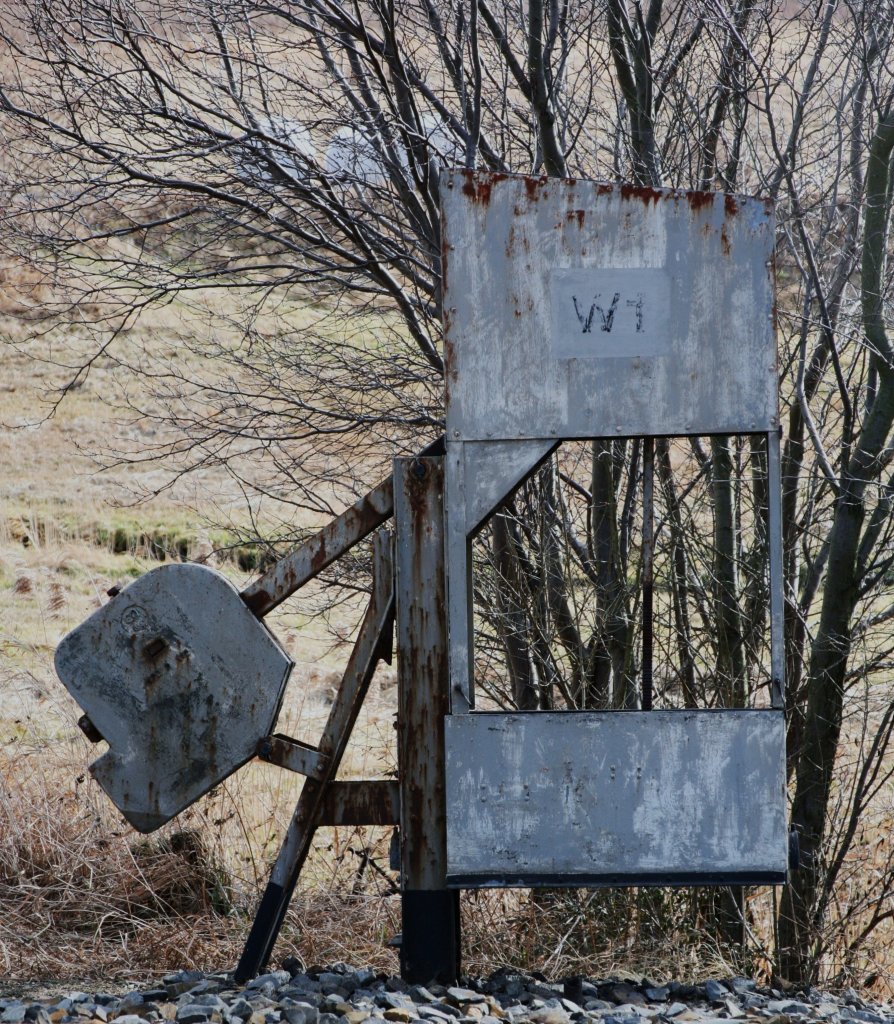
431, 930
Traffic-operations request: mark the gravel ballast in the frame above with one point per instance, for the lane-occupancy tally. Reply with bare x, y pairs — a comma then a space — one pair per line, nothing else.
342, 994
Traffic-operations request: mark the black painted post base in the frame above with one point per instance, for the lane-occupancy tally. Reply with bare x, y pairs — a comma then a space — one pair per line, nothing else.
430, 943
263, 933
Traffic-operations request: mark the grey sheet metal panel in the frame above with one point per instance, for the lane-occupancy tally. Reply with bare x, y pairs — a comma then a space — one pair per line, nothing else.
181, 680
577, 309
478, 477
633, 798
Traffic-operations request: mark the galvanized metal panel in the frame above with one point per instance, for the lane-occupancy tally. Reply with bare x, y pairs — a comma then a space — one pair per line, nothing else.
478, 477
181, 680
590, 798
492, 471
577, 309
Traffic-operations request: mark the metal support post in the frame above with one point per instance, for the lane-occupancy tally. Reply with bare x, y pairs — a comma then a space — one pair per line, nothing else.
373, 641
430, 948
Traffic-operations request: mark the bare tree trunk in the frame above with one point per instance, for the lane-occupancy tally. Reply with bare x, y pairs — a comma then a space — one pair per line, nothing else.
802, 906
514, 632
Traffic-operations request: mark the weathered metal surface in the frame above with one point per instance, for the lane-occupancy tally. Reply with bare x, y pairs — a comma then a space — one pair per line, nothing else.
293, 570
372, 639
430, 915
492, 471
293, 755
366, 802
577, 309
309, 559
777, 600
181, 680
635, 798
479, 476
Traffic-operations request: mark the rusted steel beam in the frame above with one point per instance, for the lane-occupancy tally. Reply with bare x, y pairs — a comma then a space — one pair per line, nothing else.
372, 640
293, 755
370, 802
293, 570
430, 912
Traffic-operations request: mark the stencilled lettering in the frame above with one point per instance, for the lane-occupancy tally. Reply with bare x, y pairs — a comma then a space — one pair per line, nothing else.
610, 312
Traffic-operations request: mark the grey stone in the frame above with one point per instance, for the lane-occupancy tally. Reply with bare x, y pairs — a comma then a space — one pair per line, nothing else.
14, 1013
420, 994
130, 1018
429, 1012
657, 995
300, 1012
740, 986
193, 1014
394, 1001
210, 999
515, 1011
331, 982
444, 1007
716, 991
623, 994
329, 1018
674, 1010
867, 1015
181, 981
458, 996
272, 980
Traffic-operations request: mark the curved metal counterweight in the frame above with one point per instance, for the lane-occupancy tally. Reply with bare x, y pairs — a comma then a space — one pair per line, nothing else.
181, 680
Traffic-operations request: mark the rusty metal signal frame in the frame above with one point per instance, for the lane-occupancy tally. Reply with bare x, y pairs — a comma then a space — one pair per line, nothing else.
578, 310
438, 501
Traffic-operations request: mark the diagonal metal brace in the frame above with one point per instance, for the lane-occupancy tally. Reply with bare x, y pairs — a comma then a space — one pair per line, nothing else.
373, 640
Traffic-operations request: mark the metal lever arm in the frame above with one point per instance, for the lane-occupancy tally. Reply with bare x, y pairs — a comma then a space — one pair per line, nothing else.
309, 559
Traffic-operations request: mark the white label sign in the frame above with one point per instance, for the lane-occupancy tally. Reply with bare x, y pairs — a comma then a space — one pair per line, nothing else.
610, 312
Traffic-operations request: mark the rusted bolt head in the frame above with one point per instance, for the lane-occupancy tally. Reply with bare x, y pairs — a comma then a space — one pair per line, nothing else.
155, 646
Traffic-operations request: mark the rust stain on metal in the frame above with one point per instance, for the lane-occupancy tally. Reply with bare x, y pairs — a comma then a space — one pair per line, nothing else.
318, 562
373, 802
477, 188
775, 311
533, 186
644, 193
724, 241
310, 558
578, 215
730, 205
698, 200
